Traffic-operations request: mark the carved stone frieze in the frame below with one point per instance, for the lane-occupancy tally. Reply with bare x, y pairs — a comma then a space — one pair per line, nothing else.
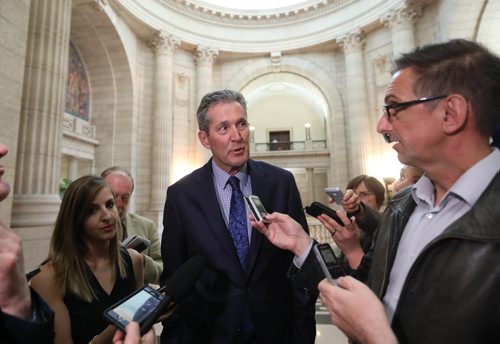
403, 15
164, 42
219, 15
204, 54
352, 41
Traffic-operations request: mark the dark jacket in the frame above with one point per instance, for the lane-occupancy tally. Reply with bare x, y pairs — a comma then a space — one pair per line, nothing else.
452, 291
212, 313
38, 329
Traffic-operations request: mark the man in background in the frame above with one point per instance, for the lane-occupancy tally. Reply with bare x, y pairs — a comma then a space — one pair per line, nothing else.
122, 185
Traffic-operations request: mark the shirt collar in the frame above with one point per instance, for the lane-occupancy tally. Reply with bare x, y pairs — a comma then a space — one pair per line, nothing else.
221, 176
468, 187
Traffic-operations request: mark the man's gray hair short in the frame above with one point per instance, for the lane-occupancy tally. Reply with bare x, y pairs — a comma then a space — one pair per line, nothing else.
113, 169
214, 98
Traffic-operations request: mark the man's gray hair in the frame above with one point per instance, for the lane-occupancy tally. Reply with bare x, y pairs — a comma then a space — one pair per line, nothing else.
214, 98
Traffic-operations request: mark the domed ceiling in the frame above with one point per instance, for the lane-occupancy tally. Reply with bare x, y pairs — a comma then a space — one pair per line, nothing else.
253, 4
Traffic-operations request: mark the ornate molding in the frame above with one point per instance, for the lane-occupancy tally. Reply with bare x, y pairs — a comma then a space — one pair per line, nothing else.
204, 54
276, 60
402, 15
256, 17
163, 42
352, 41
382, 70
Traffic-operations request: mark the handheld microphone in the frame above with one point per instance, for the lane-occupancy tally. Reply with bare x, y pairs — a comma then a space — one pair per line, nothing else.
147, 305
183, 279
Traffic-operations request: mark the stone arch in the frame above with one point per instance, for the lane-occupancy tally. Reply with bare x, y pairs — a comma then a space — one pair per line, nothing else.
325, 84
111, 84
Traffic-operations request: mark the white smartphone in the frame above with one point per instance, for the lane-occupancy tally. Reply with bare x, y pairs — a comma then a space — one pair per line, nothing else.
336, 194
328, 262
257, 208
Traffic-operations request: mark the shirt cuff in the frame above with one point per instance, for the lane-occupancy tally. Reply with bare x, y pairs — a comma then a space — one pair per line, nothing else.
299, 260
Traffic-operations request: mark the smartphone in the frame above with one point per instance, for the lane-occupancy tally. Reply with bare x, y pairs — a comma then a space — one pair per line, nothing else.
257, 208
143, 306
316, 209
328, 262
336, 194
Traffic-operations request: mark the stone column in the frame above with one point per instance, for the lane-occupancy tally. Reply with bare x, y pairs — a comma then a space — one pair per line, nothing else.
73, 168
358, 121
204, 59
310, 185
36, 201
161, 165
44, 91
400, 21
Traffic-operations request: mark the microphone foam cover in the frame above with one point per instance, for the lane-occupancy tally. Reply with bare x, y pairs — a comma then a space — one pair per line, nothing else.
181, 282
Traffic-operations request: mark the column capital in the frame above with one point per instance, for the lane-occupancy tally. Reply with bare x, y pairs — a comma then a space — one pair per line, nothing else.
205, 54
352, 40
403, 15
163, 42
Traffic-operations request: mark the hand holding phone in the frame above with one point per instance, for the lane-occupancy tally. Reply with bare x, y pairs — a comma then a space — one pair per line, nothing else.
316, 209
143, 306
257, 208
336, 194
328, 262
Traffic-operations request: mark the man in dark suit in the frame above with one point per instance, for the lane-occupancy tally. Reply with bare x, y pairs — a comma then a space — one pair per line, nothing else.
243, 295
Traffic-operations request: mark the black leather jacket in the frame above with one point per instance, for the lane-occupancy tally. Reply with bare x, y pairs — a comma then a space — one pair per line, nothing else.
452, 291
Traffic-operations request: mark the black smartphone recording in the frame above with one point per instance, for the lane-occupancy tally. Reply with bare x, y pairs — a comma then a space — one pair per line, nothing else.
316, 209
329, 263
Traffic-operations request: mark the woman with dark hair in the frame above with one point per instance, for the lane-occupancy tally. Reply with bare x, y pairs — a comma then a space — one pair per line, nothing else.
87, 269
370, 190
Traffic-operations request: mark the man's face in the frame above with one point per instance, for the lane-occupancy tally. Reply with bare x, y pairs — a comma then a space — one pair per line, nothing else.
4, 186
415, 130
227, 136
121, 185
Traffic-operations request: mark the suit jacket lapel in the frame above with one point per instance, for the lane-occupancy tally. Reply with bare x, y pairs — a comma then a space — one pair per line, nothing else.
212, 212
261, 186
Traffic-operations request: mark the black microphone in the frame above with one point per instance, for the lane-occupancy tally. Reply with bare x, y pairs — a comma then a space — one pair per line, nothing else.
181, 282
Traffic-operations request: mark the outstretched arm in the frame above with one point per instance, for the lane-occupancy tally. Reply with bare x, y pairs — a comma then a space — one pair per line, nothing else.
357, 311
284, 232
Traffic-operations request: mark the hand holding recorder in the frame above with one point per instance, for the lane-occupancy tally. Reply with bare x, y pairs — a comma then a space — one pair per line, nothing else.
146, 305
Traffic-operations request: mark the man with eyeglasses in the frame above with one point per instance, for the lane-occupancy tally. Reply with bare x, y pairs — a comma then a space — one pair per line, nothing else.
433, 273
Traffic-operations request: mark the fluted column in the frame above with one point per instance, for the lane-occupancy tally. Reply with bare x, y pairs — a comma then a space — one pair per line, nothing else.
162, 126
36, 201
204, 59
400, 21
357, 118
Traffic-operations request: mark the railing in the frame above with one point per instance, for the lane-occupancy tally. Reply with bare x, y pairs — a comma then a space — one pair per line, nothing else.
290, 146
318, 232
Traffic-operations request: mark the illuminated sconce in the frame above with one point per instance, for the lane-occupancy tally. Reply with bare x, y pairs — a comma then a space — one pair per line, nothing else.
308, 130
252, 129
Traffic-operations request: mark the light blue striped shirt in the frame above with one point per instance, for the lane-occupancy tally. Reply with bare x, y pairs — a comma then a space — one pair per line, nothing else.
428, 221
224, 190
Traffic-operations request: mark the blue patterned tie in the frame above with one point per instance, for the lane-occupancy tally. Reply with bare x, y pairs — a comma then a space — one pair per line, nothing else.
238, 221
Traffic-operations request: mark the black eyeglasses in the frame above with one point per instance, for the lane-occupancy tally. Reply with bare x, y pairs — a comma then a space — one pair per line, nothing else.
390, 110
